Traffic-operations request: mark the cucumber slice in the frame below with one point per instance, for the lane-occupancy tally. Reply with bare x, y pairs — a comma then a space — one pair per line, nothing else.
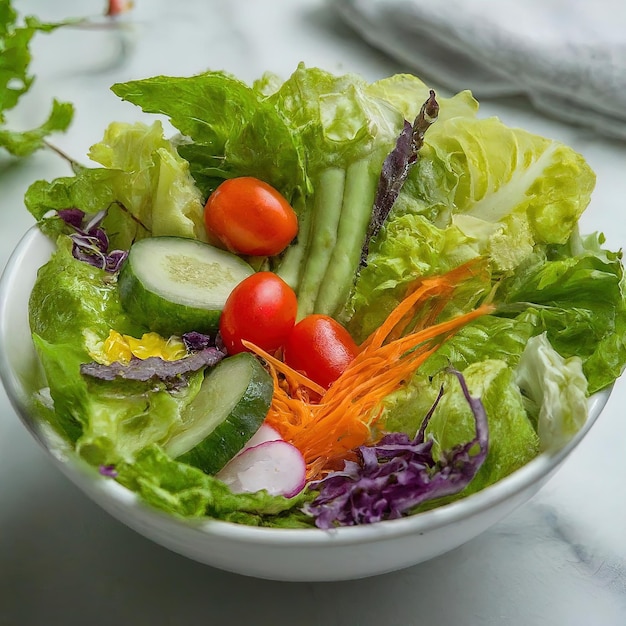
173, 285
230, 407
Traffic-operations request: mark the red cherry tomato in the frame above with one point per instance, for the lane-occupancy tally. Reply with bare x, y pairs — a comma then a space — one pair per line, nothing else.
248, 216
321, 348
261, 309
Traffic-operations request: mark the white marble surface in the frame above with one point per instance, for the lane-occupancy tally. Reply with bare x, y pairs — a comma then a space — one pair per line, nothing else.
558, 560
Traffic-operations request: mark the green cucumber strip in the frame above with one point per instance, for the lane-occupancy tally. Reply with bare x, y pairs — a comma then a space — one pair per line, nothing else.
174, 285
230, 407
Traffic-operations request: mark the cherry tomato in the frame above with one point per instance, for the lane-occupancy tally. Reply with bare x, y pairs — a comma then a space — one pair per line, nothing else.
248, 216
261, 309
321, 348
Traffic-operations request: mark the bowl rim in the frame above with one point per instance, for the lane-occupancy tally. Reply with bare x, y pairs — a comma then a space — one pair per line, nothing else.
525, 477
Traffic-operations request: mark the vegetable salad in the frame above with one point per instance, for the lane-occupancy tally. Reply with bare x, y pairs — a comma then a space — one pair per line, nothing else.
323, 302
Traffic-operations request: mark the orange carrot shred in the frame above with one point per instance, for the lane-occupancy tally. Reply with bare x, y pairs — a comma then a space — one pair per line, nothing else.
284, 368
326, 425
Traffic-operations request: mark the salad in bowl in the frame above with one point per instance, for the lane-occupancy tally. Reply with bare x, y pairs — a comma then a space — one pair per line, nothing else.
320, 302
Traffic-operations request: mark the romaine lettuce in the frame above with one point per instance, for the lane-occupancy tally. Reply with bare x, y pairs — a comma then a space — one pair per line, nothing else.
145, 187
576, 294
72, 306
186, 491
513, 440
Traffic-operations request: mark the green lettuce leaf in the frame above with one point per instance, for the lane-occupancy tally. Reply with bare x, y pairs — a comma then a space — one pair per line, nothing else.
186, 491
232, 129
145, 187
579, 301
109, 421
480, 189
408, 248
15, 81
154, 192
24, 143
70, 296
72, 306
508, 189
513, 440
489, 337
407, 93
555, 392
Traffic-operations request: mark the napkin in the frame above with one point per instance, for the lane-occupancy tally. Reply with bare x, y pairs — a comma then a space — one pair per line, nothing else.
567, 56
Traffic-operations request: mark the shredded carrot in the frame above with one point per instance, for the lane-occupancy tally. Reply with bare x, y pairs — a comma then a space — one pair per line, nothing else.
291, 374
326, 425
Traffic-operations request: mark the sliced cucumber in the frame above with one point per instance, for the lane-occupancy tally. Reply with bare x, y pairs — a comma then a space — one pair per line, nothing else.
230, 407
174, 285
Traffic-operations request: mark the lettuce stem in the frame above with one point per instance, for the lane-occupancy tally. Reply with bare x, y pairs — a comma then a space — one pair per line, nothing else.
326, 214
356, 211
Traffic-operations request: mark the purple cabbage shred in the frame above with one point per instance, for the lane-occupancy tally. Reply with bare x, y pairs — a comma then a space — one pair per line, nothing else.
108, 470
90, 243
399, 473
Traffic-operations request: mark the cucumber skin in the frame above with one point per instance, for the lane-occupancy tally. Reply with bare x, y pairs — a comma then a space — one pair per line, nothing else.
160, 315
244, 420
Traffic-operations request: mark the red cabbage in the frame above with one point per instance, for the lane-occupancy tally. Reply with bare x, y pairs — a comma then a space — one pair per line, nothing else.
398, 473
90, 243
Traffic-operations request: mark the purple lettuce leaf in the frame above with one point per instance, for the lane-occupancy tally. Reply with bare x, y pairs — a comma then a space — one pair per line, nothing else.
396, 168
154, 368
398, 473
72, 217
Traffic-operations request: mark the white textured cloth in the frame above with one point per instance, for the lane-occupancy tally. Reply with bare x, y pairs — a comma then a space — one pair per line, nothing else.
567, 56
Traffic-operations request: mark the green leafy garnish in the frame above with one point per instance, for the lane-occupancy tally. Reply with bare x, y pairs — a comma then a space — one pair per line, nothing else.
15, 81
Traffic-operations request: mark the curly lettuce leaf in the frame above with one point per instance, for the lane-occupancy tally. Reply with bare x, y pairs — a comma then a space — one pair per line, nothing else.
72, 305
555, 392
186, 491
154, 192
489, 337
407, 92
508, 189
231, 128
580, 301
512, 438
492, 191
409, 247
24, 143
337, 117
109, 421
145, 187
70, 296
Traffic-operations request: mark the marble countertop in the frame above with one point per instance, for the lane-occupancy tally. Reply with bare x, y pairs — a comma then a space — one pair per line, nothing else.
558, 560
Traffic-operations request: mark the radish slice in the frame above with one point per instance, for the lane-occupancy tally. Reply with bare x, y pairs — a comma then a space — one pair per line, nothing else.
276, 466
265, 433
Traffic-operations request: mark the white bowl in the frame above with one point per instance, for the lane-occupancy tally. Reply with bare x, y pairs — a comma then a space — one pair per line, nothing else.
279, 554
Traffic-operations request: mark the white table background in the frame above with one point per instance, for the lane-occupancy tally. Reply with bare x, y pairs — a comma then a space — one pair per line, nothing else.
558, 560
